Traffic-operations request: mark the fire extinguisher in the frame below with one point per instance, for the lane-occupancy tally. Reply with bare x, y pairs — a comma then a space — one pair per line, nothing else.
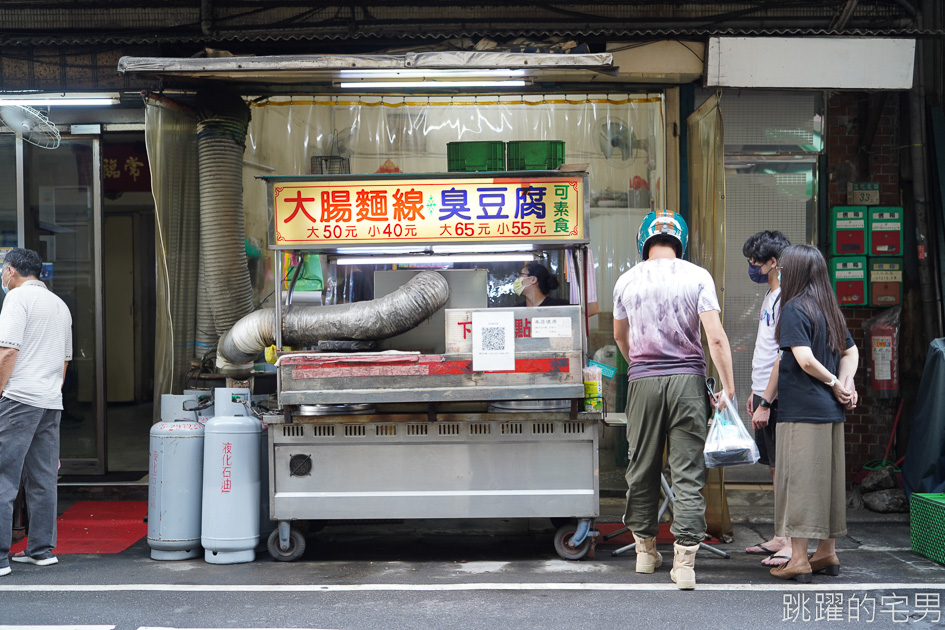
883, 339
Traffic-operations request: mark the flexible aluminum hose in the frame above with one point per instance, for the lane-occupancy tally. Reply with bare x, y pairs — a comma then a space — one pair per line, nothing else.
222, 120
380, 318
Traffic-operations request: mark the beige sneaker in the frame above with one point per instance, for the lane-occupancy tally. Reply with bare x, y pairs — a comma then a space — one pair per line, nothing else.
648, 558
684, 566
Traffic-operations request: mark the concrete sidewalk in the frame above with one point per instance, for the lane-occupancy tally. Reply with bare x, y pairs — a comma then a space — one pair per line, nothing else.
748, 491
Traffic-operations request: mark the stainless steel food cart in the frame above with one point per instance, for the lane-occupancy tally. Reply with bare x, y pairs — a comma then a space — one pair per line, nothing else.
416, 429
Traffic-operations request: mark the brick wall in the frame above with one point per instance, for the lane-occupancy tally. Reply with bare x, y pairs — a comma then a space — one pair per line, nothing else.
868, 427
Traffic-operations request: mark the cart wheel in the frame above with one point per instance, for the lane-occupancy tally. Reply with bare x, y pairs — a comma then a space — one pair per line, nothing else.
295, 550
563, 537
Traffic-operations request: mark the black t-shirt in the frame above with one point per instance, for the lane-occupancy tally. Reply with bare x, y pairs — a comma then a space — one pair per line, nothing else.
803, 398
553, 301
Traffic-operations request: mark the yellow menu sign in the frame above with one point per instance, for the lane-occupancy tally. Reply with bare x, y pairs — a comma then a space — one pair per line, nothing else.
414, 211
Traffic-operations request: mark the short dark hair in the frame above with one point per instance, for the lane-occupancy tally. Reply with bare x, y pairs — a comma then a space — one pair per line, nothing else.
764, 246
25, 262
546, 282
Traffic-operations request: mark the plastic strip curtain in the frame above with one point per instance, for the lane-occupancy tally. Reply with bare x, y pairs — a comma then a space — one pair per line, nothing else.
707, 192
171, 138
619, 137
707, 247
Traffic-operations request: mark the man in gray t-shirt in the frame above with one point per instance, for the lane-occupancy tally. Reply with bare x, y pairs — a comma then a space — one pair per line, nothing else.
35, 349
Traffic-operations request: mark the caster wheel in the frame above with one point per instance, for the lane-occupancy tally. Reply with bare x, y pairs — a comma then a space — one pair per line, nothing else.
295, 550
563, 539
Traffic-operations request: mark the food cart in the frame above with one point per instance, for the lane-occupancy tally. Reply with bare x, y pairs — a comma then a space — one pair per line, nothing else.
475, 412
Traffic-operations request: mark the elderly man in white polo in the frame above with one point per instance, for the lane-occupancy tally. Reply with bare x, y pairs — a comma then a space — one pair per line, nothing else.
35, 349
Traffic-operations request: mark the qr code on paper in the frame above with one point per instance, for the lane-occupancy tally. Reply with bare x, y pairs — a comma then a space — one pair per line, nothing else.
493, 338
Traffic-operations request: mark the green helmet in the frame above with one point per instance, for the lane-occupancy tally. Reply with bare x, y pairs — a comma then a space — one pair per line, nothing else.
665, 222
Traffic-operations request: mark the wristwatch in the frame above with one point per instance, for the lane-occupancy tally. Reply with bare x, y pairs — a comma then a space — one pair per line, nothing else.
764, 403
832, 382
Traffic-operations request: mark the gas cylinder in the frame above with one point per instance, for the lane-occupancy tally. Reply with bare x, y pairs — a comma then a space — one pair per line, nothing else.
174, 482
231, 490
231, 401
204, 403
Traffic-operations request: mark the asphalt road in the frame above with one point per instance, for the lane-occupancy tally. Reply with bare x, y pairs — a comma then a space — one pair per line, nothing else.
471, 575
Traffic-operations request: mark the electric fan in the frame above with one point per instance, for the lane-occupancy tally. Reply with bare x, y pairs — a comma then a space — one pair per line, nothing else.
31, 125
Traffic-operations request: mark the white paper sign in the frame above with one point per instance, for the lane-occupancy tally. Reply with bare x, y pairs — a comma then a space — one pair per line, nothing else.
493, 334
458, 332
855, 274
551, 327
882, 358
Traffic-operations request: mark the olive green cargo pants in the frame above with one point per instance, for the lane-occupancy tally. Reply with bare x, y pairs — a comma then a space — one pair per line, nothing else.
671, 412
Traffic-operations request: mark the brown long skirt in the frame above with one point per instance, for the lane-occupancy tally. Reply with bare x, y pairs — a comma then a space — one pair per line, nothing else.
809, 481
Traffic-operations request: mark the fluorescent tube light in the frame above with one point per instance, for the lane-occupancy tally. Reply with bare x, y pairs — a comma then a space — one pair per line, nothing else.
457, 258
428, 84
60, 102
482, 248
374, 251
419, 73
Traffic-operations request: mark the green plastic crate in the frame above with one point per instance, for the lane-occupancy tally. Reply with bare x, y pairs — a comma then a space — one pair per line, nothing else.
927, 525
535, 155
469, 157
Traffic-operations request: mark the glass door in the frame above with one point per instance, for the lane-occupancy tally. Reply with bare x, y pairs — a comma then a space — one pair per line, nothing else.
63, 223
8, 193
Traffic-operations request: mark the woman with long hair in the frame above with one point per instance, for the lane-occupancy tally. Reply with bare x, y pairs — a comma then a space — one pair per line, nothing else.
818, 361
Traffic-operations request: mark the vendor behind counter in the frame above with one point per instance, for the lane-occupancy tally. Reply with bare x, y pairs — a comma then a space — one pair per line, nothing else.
534, 283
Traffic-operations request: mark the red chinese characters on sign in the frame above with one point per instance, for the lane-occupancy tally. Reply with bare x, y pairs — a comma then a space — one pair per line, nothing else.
300, 202
523, 328
227, 484
336, 206
408, 205
372, 205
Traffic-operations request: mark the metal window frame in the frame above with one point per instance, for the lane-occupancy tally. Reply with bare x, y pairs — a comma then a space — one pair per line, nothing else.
80, 465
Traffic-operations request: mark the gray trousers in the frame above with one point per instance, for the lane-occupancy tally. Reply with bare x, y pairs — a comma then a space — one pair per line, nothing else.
29, 449
668, 412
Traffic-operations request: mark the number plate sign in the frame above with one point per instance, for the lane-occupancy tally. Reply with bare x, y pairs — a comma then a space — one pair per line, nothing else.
863, 193
308, 212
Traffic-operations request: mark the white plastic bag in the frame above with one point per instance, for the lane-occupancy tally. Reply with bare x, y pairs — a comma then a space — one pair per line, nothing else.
728, 442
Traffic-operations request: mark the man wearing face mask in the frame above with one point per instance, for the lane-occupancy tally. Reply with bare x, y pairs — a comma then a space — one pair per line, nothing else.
763, 251
534, 283
35, 349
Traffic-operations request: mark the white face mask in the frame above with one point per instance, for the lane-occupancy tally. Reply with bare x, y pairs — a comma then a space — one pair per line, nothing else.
6, 289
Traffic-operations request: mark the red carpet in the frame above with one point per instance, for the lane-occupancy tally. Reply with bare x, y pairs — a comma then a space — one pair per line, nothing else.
664, 537
98, 527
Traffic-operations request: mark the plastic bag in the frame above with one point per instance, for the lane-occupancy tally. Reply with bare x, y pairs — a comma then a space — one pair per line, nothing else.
728, 442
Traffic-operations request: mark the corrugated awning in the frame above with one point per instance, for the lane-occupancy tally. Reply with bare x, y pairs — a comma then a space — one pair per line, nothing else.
273, 74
